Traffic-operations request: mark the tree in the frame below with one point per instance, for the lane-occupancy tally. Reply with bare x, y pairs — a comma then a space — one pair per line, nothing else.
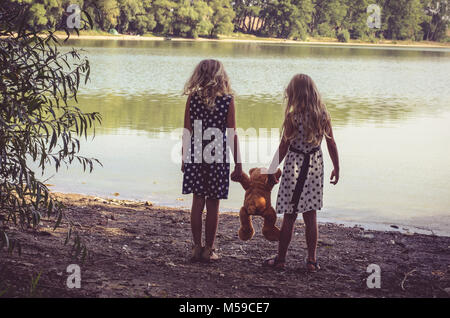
240, 10
437, 19
129, 10
104, 12
163, 12
285, 18
401, 19
192, 18
38, 122
42, 13
222, 17
336, 11
356, 18
343, 36
328, 17
249, 14
301, 18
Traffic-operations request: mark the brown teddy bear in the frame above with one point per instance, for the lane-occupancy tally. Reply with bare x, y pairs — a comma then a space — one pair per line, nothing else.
257, 202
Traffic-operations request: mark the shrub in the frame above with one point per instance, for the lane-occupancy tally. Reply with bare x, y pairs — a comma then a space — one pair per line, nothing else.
38, 123
325, 30
343, 36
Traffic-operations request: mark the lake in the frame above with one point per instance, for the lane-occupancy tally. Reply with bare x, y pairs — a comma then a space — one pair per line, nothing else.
390, 109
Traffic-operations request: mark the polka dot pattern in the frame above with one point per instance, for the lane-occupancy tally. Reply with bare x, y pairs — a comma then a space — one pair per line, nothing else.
311, 197
210, 180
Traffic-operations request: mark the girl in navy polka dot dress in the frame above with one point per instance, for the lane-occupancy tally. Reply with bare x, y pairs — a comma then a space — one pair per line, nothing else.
306, 123
210, 125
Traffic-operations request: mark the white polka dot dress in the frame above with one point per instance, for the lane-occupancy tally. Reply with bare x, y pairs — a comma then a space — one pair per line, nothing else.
201, 176
301, 186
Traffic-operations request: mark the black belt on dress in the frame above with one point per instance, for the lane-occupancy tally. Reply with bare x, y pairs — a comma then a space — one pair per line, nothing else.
301, 179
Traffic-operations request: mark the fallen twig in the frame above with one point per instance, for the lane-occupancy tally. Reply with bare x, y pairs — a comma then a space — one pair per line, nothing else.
406, 276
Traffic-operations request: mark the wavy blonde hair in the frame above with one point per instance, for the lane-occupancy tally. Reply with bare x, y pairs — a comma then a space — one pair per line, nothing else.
304, 105
208, 80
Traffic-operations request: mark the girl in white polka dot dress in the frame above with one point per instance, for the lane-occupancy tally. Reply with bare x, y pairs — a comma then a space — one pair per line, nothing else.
209, 115
301, 189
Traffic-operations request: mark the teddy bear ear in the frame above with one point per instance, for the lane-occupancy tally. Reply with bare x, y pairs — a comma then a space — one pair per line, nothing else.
251, 171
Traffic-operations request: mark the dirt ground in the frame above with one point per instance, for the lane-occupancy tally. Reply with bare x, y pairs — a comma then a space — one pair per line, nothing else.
138, 250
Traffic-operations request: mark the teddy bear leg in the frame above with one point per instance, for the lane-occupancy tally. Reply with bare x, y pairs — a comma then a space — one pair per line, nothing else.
270, 231
246, 231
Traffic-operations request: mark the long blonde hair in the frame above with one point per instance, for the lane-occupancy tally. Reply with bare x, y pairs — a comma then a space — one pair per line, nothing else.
208, 80
304, 105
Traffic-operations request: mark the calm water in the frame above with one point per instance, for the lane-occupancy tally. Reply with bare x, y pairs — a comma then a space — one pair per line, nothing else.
390, 110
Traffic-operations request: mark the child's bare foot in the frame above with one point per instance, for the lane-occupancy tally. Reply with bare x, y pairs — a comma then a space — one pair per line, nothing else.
274, 263
209, 254
312, 265
197, 251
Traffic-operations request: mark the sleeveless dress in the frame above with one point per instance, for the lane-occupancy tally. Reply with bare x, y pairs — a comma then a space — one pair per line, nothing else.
201, 176
301, 186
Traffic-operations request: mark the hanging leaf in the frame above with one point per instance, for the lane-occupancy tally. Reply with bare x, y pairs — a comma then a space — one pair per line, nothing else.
38, 118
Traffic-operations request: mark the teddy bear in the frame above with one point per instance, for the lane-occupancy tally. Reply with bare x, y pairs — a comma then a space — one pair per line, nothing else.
257, 202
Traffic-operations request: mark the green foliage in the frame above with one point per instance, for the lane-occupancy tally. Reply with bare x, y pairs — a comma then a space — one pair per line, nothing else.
163, 13
130, 10
286, 18
324, 29
335, 12
295, 19
33, 285
401, 20
42, 14
356, 19
437, 20
107, 12
372, 38
221, 18
38, 124
343, 36
192, 18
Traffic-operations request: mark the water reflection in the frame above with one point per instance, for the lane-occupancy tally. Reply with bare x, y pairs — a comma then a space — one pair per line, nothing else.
389, 107
155, 113
257, 50
346, 77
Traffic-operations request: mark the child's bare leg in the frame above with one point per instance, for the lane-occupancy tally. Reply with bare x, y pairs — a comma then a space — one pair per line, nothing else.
198, 204
311, 234
212, 220
286, 235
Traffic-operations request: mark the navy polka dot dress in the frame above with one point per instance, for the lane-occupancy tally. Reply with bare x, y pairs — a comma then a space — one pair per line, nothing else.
301, 186
201, 176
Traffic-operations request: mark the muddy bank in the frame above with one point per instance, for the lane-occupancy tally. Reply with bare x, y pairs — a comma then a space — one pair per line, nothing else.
138, 250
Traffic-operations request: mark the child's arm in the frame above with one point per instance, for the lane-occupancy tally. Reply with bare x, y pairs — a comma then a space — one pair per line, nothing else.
231, 123
186, 133
278, 158
333, 152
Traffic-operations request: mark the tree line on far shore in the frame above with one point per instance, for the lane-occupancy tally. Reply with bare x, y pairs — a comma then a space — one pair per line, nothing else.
290, 19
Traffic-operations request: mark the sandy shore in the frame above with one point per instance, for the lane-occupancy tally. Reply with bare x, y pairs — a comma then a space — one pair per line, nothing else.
257, 40
139, 250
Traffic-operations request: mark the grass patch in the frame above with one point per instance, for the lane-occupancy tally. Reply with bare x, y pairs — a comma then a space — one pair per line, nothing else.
249, 37
321, 39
